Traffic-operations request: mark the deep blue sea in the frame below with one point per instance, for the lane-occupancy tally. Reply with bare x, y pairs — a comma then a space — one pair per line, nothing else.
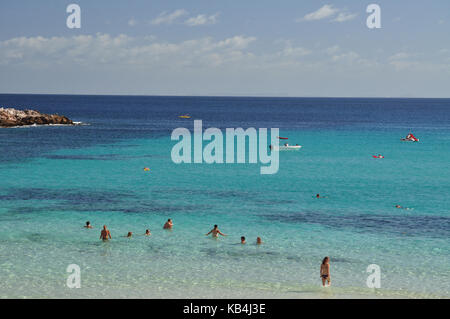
55, 178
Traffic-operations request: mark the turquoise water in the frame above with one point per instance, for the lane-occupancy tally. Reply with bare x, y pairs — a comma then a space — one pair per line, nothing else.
47, 196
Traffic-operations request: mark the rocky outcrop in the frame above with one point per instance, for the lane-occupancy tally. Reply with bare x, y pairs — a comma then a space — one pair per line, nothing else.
12, 117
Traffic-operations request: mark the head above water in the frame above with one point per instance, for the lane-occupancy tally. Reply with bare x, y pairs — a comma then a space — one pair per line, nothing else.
88, 223
242, 239
258, 240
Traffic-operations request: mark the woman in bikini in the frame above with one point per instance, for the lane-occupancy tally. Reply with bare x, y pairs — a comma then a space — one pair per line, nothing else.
325, 271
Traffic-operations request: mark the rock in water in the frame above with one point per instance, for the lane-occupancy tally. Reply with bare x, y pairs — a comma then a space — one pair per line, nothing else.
11, 117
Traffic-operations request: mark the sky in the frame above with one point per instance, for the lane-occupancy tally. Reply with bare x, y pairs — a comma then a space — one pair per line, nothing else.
292, 48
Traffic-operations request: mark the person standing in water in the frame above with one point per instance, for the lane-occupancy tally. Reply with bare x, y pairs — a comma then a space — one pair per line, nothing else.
215, 232
105, 234
168, 224
325, 271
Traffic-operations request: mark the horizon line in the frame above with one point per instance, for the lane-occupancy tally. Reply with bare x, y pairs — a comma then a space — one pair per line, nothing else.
231, 96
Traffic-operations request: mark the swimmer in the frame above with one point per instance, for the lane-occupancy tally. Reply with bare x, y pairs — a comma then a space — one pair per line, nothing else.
215, 232
258, 240
318, 196
129, 235
407, 208
147, 232
105, 234
325, 271
243, 240
168, 224
88, 225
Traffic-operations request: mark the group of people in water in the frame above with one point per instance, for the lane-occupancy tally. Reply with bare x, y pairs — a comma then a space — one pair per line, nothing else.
216, 232
105, 235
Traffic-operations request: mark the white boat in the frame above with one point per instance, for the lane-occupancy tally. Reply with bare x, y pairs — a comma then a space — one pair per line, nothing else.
285, 147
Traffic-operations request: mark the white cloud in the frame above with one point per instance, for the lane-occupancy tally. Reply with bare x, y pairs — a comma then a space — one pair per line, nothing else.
349, 57
294, 52
124, 52
402, 60
202, 19
237, 42
124, 64
135, 54
332, 50
327, 12
87, 50
345, 16
132, 22
322, 13
399, 56
168, 18
400, 64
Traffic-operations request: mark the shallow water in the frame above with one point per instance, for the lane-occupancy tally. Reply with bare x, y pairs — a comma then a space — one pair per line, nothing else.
53, 179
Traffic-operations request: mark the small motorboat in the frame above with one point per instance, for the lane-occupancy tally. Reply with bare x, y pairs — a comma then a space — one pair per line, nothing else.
285, 147
184, 116
282, 138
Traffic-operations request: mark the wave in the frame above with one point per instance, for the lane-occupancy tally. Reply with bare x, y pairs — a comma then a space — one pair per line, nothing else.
43, 125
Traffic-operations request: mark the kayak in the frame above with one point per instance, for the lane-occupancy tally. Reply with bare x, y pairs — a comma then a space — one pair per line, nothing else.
375, 156
184, 116
282, 138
